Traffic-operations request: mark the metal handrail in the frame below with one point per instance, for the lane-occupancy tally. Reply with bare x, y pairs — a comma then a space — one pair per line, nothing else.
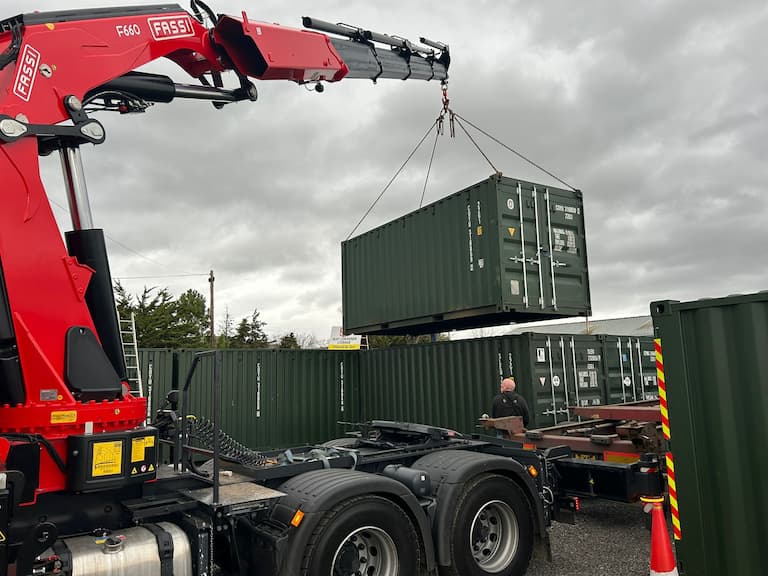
182, 438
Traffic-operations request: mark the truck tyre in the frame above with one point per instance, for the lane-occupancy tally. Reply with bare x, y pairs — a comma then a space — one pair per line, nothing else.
366, 535
492, 529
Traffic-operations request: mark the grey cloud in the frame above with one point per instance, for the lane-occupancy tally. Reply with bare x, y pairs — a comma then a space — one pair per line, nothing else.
656, 110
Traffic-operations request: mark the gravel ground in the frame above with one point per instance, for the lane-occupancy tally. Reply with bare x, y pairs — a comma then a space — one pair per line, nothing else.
609, 539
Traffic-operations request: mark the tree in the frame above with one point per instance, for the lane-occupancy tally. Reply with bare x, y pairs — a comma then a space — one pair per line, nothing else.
123, 301
226, 331
162, 321
191, 327
289, 341
250, 333
154, 314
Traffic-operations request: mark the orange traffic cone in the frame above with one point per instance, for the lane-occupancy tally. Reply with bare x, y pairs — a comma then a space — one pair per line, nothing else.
662, 560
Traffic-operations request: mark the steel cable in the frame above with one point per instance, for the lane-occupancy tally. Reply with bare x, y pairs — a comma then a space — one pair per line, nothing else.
515, 152
399, 170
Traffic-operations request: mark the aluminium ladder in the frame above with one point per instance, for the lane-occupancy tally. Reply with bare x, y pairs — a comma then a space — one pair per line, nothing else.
131, 354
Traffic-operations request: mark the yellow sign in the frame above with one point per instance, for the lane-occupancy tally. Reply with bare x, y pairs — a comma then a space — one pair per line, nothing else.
2, 536
479, 230
343, 346
139, 446
107, 459
64, 417
511, 232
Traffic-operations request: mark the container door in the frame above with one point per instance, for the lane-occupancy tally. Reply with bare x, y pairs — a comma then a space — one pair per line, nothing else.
549, 402
628, 372
645, 367
585, 364
562, 258
519, 226
543, 250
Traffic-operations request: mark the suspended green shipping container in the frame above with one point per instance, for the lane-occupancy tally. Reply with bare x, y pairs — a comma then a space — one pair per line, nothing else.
501, 251
715, 361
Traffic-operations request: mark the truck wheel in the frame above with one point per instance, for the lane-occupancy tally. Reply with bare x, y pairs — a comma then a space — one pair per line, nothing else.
492, 529
368, 536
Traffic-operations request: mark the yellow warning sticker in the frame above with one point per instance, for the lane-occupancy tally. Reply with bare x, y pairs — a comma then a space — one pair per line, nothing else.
64, 417
134, 471
138, 448
107, 459
2, 536
151, 467
479, 230
511, 232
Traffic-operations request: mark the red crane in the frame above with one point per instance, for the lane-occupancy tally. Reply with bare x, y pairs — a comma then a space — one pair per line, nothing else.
62, 374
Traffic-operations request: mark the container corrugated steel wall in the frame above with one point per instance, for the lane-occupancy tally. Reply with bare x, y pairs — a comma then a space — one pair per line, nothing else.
157, 373
715, 357
316, 389
448, 384
279, 398
270, 398
502, 250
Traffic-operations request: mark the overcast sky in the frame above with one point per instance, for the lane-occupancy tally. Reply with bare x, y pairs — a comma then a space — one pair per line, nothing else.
655, 109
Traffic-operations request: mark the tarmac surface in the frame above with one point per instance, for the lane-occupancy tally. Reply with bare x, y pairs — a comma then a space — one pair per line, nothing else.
608, 539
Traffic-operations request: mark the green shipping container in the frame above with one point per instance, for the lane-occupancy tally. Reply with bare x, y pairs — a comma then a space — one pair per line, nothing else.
715, 359
501, 251
270, 398
452, 384
448, 384
557, 371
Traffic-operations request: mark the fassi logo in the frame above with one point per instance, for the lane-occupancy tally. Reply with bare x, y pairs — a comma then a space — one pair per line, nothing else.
167, 27
25, 76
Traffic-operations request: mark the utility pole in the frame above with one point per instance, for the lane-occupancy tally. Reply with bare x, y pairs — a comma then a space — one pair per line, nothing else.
211, 279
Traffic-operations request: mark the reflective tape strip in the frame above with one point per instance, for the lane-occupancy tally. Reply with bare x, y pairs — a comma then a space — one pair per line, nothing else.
671, 482
672, 486
662, 388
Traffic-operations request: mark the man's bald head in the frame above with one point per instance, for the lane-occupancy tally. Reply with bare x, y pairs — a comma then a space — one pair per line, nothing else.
507, 385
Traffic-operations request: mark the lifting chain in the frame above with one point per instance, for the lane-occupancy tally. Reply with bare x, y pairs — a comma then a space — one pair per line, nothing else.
446, 110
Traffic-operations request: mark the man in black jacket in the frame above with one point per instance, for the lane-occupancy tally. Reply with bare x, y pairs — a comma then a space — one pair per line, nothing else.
509, 403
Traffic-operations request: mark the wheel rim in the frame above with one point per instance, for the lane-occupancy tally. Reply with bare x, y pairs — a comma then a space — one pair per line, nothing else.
494, 536
368, 551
